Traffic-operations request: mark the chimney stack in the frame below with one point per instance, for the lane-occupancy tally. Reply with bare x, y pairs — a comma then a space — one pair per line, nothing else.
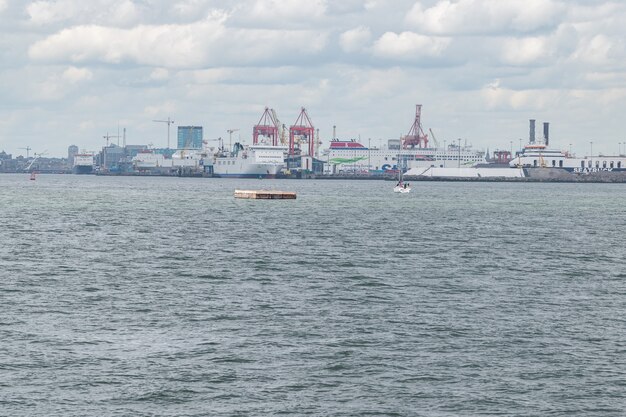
546, 132
532, 131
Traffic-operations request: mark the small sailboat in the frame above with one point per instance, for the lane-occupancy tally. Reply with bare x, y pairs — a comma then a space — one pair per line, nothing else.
401, 186
33, 176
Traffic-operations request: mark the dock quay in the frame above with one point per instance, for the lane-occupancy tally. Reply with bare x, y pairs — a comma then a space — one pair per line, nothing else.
265, 195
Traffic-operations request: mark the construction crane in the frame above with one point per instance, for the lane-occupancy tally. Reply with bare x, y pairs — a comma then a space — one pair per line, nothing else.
230, 137
432, 134
28, 149
107, 137
169, 122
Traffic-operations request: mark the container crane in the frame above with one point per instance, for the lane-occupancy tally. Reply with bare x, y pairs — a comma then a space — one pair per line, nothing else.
268, 126
302, 131
416, 136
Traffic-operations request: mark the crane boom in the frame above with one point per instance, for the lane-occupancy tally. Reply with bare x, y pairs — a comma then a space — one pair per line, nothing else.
169, 122
432, 134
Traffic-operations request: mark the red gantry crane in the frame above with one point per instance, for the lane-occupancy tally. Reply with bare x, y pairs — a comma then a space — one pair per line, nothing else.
416, 136
267, 127
304, 131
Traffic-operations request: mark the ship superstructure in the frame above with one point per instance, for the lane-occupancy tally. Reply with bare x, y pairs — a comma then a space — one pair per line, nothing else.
410, 151
352, 157
538, 154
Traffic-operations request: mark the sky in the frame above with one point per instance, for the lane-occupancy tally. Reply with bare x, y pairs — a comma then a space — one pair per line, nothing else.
73, 71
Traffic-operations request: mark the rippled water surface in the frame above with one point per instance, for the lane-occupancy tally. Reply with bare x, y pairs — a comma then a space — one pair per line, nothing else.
166, 296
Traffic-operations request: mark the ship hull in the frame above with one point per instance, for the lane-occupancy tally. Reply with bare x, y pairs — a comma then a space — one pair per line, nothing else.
83, 170
264, 176
244, 170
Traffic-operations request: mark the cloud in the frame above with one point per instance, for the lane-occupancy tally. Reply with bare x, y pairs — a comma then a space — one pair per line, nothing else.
275, 10
356, 39
160, 74
485, 16
3, 5
75, 75
409, 46
117, 13
205, 43
602, 51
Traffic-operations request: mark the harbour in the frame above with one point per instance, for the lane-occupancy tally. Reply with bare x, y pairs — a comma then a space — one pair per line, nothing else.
297, 153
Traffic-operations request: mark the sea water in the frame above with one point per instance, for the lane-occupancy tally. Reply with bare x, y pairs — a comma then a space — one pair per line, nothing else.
167, 296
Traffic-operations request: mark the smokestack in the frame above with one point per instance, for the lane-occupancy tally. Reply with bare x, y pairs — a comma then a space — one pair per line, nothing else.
532, 130
546, 132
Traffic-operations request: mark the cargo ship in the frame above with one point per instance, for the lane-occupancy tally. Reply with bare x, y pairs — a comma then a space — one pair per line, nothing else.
83, 163
253, 161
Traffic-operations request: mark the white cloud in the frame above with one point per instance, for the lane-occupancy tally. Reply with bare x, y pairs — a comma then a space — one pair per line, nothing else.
220, 67
125, 12
75, 75
205, 43
160, 74
409, 45
190, 9
525, 51
356, 39
448, 17
276, 10
42, 12
500, 98
601, 50
116, 13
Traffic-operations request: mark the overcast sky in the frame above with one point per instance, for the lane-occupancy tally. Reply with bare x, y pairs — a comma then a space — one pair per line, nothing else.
72, 70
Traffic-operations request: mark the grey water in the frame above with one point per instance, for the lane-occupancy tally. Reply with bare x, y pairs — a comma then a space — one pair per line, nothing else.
166, 296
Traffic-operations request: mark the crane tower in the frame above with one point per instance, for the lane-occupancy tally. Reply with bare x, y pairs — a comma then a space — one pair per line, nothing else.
302, 131
268, 127
416, 136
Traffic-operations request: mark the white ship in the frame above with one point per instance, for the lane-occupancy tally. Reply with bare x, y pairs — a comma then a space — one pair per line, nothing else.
350, 156
254, 161
83, 163
537, 154
193, 159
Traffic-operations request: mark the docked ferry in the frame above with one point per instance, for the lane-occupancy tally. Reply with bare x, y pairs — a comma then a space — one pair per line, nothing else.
253, 161
538, 154
83, 163
350, 156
